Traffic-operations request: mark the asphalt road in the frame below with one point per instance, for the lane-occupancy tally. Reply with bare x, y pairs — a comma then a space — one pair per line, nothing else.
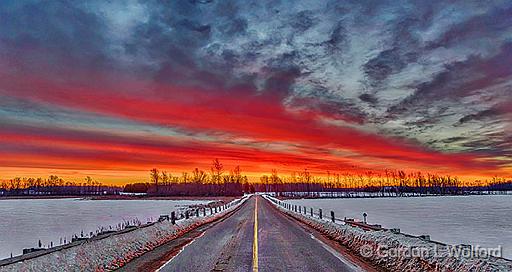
282, 245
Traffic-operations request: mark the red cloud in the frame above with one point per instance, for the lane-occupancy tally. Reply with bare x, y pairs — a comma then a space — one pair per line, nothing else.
236, 114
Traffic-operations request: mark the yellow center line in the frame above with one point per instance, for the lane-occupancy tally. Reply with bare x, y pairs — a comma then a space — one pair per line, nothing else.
255, 241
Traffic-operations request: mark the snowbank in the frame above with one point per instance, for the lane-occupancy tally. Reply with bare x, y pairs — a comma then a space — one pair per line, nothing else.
115, 250
400, 252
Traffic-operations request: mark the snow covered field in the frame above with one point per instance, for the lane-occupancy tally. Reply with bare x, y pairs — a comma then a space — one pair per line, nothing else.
476, 220
23, 222
113, 251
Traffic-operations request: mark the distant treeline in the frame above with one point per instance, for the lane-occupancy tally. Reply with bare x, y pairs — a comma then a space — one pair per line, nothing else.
196, 183
385, 183
218, 182
388, 183
54, 186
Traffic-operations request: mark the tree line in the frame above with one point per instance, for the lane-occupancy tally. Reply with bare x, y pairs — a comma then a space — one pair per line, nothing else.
53, 185
216, 182
221, 182
388, 182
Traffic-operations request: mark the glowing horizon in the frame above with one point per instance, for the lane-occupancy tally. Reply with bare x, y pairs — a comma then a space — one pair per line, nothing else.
109, 92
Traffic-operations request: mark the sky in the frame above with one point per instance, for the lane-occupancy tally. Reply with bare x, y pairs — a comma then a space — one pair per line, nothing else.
111, 89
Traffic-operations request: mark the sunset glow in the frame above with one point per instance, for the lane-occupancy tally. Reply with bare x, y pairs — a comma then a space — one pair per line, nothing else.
110, 93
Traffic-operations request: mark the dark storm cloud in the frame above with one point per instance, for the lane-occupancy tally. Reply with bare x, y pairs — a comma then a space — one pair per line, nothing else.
303, 20
330, 107
60, 30
405, 46
280, 80
482, 115
189, 44
337, 38
460, 79
484, 26
387, 62
368, 98
494, 145
454, 139
237, 26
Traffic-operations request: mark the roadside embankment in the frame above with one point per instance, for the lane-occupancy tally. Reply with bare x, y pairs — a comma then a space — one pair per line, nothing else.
397, 251
109, 252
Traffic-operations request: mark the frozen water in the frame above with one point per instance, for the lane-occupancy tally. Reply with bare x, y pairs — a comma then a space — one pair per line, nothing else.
478, 220
24, 221
113, 251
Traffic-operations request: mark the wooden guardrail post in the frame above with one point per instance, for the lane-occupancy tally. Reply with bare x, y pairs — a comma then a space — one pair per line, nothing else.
186, 214
173, 218
204, 211
311, 212
332, 216
320, 212
211, 210
197, 212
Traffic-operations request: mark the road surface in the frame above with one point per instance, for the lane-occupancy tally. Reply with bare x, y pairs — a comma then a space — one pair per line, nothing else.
280, 244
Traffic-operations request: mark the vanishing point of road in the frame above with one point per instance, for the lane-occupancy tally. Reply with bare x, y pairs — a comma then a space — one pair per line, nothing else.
258, 237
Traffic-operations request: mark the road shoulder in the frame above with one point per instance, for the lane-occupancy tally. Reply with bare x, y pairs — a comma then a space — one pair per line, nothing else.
156, 258
335, 246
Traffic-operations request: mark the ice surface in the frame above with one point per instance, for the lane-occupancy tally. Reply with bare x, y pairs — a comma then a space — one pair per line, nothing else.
477, 220
112, 252
25, 221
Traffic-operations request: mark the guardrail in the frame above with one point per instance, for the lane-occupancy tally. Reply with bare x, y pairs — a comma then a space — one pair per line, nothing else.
319, 214
201, 211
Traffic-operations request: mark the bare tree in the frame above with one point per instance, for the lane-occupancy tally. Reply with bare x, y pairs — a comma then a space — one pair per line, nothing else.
217, 170
155, 177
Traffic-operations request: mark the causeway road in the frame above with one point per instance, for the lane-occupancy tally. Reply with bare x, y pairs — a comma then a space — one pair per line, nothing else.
258, 237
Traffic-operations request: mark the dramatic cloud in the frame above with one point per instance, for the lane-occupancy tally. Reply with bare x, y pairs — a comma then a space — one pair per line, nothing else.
330, 85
